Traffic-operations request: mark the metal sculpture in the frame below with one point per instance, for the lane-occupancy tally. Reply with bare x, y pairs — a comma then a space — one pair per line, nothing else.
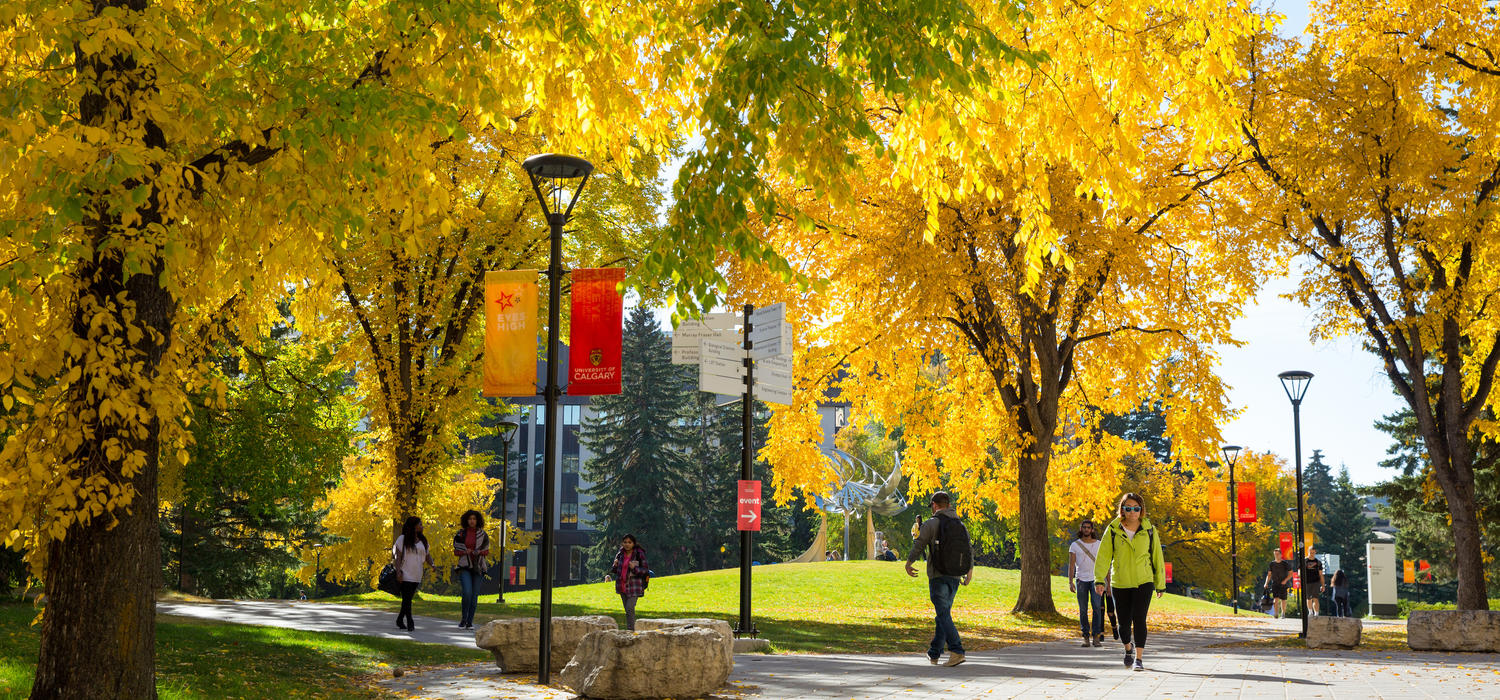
860, 490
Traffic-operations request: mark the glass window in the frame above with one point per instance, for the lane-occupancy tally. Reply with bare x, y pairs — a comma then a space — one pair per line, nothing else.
571, 414
570, 464
541, 415
575, 565
570, 514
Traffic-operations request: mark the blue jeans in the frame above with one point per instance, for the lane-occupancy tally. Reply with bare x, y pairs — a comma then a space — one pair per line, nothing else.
943, 589
468, 581
1089, 600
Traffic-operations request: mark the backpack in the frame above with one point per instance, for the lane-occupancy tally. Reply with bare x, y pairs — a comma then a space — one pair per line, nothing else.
1150, 546
953, 555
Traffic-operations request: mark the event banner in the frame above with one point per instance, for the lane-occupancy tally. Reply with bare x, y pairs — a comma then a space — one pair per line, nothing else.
1244, 498
1218, 502
510, 333
594, 343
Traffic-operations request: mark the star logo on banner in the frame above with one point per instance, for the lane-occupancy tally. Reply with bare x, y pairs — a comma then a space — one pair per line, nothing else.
506, 301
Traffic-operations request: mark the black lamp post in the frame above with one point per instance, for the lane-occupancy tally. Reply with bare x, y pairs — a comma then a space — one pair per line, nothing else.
551, 177
507, 431
1231, 455
317, 566
1295, 383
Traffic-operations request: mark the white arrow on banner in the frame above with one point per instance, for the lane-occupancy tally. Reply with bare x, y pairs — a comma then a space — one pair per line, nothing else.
749, 517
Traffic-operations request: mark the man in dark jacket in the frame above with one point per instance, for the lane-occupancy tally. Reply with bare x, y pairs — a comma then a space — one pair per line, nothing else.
943, 587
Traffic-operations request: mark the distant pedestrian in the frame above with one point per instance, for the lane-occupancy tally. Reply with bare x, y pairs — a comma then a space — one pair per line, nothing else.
950, 562
411, 558
631, 576
1082, 555
1278, 581
1130, 555
1341, 594
472, 547
1312, 581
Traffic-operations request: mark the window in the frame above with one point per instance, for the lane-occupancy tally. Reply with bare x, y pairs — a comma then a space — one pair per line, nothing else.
570, 414
570, 515
541, 415
570, 464
575, 564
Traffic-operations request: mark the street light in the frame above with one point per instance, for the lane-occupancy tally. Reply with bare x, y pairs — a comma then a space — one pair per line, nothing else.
551, 177
507, 431
317, 566
1295, 383
1231, 455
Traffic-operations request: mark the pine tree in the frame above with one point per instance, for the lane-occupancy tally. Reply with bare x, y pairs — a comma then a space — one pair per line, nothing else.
640, 471
1344, 530
1317, 481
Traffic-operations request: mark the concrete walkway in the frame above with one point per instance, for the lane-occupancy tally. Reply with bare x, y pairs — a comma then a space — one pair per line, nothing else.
1179, 664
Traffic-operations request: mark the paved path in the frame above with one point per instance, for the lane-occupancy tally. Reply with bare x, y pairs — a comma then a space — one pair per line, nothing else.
1180, 664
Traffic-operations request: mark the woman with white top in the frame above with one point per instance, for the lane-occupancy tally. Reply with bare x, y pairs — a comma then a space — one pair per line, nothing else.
411, 558
1082, 556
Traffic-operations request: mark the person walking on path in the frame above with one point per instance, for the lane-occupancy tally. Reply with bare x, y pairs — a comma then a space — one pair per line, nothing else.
411, 559
472, 547
950, 563
1312, 581
1130, 554
1278, 580
631, 576
1082, 555
1340, 585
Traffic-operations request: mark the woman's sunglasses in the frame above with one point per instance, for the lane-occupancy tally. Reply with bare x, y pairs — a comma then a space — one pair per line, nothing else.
1131, 509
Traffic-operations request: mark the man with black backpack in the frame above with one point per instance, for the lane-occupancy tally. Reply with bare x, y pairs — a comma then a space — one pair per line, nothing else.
950, 563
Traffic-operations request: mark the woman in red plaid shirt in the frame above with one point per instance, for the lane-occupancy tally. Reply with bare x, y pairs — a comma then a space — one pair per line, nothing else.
631, 576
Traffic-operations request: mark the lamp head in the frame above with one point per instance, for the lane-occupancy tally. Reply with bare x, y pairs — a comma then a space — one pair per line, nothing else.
551, 175
1295, 383
507, 429
1231, 454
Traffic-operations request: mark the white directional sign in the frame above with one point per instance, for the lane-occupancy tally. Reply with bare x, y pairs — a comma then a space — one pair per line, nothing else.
689, 334
773, 338
773, 379
716, 384
721, 368
771, 393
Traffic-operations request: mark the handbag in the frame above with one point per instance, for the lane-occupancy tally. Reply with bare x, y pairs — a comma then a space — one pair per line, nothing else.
388, 581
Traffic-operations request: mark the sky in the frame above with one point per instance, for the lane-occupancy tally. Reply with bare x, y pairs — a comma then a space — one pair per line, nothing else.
1349, 390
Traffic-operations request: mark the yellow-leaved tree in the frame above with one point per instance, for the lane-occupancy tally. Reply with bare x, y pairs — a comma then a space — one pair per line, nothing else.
1377, 144
1079, 235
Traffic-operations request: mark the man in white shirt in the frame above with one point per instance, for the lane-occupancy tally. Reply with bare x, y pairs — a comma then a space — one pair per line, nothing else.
1081, 555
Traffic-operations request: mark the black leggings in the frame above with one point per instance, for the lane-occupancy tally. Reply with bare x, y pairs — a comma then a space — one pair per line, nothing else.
1132, 604
407, 591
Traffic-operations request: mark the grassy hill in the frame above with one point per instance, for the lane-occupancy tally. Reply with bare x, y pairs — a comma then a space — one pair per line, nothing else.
855, 606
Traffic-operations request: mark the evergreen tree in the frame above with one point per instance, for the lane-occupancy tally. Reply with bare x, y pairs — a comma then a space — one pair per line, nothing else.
1344, 530
1317, 481
1146, 425
640, 472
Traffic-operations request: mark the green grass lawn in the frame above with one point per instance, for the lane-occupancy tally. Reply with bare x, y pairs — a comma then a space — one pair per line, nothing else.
209, 661
856, 606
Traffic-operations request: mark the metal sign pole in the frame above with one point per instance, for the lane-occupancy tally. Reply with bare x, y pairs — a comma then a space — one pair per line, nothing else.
747, 426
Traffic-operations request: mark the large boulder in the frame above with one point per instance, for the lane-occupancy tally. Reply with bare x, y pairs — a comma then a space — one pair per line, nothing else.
719, 626
1333, 632
675, 662
514, 642
1453, 630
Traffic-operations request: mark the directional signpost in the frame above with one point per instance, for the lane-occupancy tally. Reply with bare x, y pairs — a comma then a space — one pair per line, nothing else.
755, 362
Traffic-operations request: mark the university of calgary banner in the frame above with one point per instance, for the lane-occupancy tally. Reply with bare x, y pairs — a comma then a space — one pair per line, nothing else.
510, 333
1288, 545
594, 343
1245, 501
1218, 502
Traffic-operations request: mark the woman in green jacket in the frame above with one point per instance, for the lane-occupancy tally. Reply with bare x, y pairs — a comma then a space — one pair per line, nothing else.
1130, 553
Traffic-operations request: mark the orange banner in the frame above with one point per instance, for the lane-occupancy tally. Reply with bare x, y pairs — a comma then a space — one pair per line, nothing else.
1408, 571
510, 333
1218, 502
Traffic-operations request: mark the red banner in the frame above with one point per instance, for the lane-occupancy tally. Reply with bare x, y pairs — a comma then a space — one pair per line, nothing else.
1218, 502
748, 512
1245, 501
510, 333
594, 343
1425, 569
1169, 572
1288, 545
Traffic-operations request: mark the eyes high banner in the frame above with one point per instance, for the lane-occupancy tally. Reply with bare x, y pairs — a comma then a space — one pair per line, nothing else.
594, 343
510, 333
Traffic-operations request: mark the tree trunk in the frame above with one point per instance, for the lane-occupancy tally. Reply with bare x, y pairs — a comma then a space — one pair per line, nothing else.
1468, 556
1035, 595
98, 631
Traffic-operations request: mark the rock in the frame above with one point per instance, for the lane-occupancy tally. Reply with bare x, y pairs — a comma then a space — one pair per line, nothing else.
752, 646
514, 641
1453, 630
719, 626
1333, 632
674, 662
